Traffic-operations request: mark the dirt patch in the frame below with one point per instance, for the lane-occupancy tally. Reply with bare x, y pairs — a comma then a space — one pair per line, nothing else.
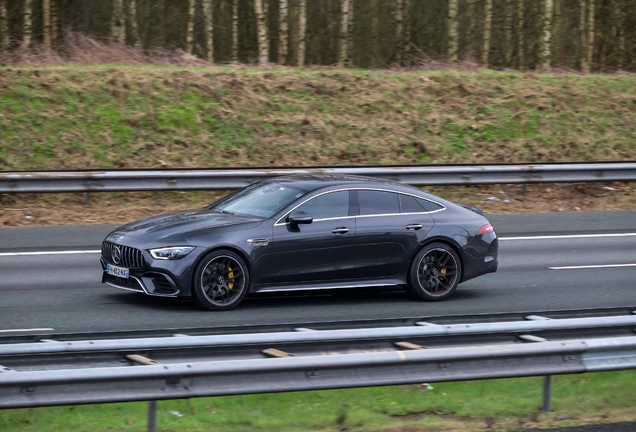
65, 209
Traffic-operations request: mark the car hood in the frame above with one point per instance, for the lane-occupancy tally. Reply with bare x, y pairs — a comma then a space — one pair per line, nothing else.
183, 222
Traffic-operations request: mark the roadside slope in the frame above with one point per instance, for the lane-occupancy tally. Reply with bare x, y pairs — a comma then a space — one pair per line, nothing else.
142, 117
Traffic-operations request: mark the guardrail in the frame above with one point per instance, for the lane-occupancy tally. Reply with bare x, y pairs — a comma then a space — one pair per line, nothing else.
51, 373
208, 179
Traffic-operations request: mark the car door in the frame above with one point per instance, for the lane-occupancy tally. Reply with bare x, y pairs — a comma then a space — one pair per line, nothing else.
321, 250
390, 226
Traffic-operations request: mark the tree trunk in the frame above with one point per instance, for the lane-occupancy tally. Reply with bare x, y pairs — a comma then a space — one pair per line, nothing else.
470, 29
547, 33
134, 26
585, 67
521, 58
190, 30
235, 31
508, 32
399, 30
208, 16
302, 30
590, 38
374, 32
46, 22
621, 33
406, 43
117, 22
263, 52
54, 29
487, 27
343, 58
283, 25
4, 28
27, 31
452, 30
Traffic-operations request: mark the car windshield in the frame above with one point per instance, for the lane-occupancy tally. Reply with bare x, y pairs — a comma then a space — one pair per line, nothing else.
260, 199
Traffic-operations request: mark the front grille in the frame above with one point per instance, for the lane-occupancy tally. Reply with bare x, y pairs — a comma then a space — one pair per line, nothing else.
130, 257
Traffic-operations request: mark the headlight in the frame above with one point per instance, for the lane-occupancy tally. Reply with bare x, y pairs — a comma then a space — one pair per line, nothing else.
171, 253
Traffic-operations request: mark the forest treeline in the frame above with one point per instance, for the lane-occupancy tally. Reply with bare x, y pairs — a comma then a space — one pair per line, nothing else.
586, 35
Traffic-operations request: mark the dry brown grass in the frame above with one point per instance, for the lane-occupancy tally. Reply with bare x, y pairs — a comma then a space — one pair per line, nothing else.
65, 209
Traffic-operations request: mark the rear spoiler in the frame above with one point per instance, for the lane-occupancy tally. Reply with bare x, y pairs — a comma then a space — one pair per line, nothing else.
473, 208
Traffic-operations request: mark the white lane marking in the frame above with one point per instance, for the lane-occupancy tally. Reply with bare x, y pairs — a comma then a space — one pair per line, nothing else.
4, 254
25, 330
592, 266
568, 236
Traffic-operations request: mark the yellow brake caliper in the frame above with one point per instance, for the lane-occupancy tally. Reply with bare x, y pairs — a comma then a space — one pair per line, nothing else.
230, 275
442, 271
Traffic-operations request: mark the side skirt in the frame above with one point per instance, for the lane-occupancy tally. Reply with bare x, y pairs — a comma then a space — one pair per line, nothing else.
328, 285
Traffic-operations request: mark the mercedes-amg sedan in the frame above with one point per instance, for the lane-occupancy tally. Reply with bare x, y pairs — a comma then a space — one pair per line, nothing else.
305, 232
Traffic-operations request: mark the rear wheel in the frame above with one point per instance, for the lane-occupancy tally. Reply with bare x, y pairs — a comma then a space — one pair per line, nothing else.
435, 272
221, 280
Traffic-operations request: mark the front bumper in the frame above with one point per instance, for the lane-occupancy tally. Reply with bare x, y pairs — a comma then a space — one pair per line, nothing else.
160, 278
154, 284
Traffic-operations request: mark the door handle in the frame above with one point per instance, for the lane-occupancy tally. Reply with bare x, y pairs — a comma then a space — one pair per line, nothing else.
414, 226
340, 230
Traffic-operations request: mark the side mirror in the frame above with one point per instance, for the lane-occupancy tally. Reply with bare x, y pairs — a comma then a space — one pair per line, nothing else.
299, 217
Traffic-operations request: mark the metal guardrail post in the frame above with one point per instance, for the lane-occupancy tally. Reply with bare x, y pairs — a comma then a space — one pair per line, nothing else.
152, 416
547, 393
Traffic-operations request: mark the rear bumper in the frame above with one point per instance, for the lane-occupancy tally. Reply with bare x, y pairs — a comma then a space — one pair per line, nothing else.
494, 265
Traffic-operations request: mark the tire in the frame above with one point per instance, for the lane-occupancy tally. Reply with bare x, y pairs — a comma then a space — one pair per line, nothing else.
216, 284
435, 273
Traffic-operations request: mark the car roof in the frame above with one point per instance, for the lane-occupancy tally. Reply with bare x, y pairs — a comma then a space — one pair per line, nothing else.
311, 182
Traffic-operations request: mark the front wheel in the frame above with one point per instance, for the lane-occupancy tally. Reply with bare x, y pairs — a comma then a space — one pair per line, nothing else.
221, 280
435, 272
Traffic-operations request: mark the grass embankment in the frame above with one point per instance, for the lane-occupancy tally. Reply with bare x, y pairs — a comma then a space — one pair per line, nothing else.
150, 117
78, 117
499, 405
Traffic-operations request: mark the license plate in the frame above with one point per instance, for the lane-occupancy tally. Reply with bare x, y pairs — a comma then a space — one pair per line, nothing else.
117, 271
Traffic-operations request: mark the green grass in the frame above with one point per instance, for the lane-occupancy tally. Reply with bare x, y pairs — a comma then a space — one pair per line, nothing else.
503, 404
75, 117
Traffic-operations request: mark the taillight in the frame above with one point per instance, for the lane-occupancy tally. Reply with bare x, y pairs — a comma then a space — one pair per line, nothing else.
486, 229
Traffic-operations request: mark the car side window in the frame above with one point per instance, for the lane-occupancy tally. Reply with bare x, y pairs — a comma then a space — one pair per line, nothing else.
410, 205
429, 205
329, 205
378, 202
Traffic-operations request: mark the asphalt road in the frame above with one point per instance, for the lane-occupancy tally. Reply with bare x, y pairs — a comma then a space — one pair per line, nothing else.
63, 291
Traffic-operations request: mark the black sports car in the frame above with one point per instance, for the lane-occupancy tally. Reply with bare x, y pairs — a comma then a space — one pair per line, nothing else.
305, 232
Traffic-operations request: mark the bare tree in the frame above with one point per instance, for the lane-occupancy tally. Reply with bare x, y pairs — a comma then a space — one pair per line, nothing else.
585, 67
54, 29
190, 29
283, 26
302, 31
521, 59
350, 33
452, 30
209, 28
406, 42
235, 31
46, 22
547, 32
263, 43
117, 31
134, 26
343, 58
487, 28
399, 29
590, 32
27, 27
4, 28
508, 32
620, 18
